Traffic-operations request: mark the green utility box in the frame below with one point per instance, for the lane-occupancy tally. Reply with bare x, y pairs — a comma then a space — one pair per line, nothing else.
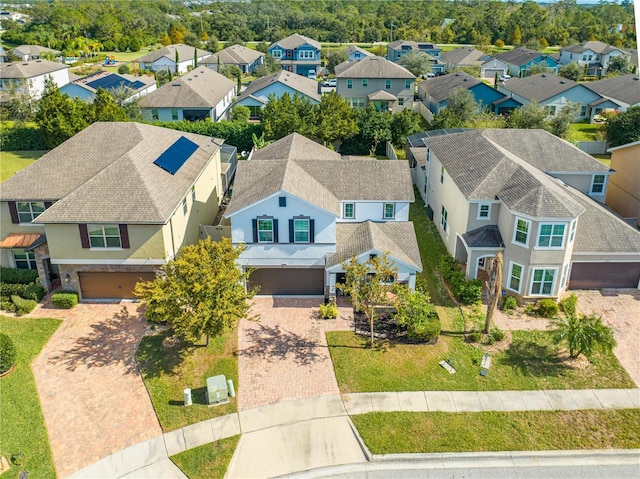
217, 391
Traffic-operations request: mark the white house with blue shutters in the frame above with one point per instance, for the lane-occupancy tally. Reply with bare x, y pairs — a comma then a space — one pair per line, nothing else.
301, 211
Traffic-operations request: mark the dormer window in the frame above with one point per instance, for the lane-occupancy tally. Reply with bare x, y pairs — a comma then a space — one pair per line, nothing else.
597, 184
349, 211
484, 211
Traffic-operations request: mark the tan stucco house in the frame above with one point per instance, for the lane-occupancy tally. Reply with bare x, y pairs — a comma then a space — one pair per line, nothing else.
109, 206
623, 194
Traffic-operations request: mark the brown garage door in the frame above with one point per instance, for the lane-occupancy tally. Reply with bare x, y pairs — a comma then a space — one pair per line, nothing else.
110, 285
289, 282
604, 275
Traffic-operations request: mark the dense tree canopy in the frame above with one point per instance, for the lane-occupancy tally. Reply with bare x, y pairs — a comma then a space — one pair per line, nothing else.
624, 127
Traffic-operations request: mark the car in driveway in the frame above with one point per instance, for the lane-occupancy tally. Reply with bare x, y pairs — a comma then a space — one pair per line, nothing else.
504, 78
330, 83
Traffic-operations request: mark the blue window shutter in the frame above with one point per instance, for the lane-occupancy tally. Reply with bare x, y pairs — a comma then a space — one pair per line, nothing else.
275, 231
84, 236
312, 231
291, 238
254, 222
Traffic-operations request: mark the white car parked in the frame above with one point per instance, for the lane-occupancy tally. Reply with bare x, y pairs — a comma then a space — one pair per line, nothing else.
504, 78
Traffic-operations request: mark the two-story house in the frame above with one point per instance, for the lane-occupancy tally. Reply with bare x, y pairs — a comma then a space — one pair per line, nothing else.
31, 75
396, 50
520, 60
389, 86
435, 93
178, 58
593, 55
301, 210
552, 92
355, 53
298, 54
532, 196
246, 59
198, 95
109, 206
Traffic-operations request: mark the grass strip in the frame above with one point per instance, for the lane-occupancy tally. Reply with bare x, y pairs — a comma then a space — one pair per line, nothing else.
407, 432
209, 461
22, 425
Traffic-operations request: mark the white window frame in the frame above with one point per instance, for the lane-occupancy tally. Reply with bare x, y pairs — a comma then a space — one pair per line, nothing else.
349, 83
551, 236
407, 84
565, 276
93, 229
353, 211
444, 223
387, 84
307, 221
365, 82
542, 282
593, 184
28, 211
306, 55
488, 215
277, 53
511, 276
29, 258
270, 220
174, 114
515, 231
384, 211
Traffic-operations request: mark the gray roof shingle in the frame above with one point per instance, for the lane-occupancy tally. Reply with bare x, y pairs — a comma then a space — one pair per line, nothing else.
304, 85
201, 87
294, 41
440, 88
397, 238
625, 88
295, 147
372, 67
594, 45
235, 54
93, 178
539, 87
484, 237
34, 50
185, 52
30, 69
464, 56
518, 56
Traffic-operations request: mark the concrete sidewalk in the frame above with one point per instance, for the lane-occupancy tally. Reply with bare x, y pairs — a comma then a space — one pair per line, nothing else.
294, 436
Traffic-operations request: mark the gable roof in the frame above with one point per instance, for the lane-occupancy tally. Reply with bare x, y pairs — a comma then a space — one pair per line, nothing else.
304, 85
185, 52
397, 238
120, 183
594, 45
320, 183
235, 54
464, 56
539, 87
372, 67
29, 69
113, 81
295, 147
398, 44
33, 50
294, 41
441, 87
201, 87
518, 56
625, 88
354, 48
512, 165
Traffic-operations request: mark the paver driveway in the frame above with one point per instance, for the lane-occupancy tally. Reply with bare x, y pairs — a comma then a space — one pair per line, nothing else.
93, 398
284, 355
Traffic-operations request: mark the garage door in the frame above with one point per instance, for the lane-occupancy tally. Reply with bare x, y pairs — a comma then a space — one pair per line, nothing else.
288, 282
604, 275
110, 285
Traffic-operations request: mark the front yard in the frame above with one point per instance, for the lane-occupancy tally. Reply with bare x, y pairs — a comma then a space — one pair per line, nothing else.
22, 424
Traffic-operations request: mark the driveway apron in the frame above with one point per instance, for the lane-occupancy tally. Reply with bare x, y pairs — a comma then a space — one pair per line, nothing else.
93, 398
284, 355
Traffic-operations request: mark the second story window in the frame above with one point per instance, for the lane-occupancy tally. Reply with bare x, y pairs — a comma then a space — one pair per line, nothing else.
387, 84
276, 53
597, 184
104, 236
349, 83
407, 84
301, 230
521, 234
349, 211
365, 82
389, 211
484, 211
306, 54
442, 175
551, 235
28, 211
154, 114
265, 230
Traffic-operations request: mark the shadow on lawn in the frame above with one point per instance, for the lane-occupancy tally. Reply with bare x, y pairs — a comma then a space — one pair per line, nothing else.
532, 359
155, 356
273, 343
110, 342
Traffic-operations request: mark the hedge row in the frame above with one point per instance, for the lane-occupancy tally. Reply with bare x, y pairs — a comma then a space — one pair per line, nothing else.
65, 299
18, 276
467, 292
21, 138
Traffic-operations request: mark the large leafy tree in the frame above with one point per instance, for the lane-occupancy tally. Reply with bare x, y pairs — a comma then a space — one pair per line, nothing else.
528, 116
461, 108
619, 65
624, 127
370, 285
336, 119
375, 127
560, 125
403, 124
584, 335
106, 108
335, 57
572, 71
200, 292
417, 63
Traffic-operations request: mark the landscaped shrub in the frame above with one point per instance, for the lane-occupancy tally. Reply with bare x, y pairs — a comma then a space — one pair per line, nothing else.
7, 305
547, 308
18, 276
21, 138
424, 328
329, 310
65, 299
23, 306
34, 291
475, 337
496, 334
467, 292
8, 353
568, 305
8, 290
509, 303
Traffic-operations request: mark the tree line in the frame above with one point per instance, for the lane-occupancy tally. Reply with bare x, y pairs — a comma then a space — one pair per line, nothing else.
89, 26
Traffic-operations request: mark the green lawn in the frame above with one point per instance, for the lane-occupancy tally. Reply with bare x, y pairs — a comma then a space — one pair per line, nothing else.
584, 132
14, 161
22, 424
406, 432
209, 461
168, 370
604, 159
530, 363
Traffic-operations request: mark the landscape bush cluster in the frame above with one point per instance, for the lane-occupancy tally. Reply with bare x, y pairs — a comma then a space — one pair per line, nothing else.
64, 299
21, 137
465, 291
329, 310
547, 308
8, 353
20, 290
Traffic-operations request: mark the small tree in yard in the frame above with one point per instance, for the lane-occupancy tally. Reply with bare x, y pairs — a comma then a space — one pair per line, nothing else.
417, 314
201, 292
369, 284
584, 334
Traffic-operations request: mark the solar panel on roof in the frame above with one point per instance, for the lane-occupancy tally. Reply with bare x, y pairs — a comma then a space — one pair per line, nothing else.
114, 81
176, 155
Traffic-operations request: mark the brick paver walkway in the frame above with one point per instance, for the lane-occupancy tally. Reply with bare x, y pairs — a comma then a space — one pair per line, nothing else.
284, 355
93, 398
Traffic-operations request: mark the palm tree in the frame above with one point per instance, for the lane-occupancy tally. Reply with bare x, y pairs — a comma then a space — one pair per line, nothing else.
584, 334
